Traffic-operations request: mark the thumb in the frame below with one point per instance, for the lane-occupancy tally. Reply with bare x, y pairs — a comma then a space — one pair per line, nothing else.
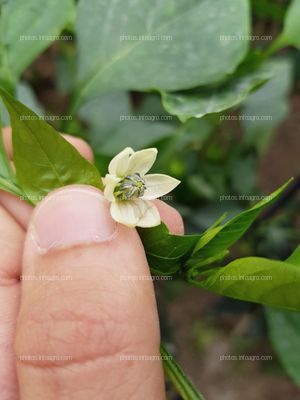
85, 325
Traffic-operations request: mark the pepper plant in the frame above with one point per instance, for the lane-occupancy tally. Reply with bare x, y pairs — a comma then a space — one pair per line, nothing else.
192, 62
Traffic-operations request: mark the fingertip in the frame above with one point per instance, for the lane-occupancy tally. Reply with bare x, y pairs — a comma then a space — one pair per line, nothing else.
6, 134
81, 145
171, 217
19, 209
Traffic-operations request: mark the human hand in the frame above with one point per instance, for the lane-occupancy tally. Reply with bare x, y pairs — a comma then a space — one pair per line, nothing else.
70, 326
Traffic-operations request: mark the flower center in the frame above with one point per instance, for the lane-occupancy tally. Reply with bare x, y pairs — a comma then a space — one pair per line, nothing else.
131, 187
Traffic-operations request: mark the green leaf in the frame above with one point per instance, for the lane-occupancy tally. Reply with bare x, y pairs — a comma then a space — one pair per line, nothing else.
291, 30
44, 160
188, 254
182, 384
217, 240
26, 30
259, 280
166, 253
126, 58
199, 102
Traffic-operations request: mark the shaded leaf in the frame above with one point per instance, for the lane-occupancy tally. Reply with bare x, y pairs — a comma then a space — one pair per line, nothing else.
267, 107
203, 101
284, 332
22, 23
137, 134
125, 58
166, 253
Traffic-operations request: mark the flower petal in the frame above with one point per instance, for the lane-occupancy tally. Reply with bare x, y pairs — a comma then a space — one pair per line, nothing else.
141, 161
135, 213
110, 182
158, 185
119, 164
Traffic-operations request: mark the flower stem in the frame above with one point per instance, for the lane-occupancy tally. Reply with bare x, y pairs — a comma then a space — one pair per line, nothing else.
182, 384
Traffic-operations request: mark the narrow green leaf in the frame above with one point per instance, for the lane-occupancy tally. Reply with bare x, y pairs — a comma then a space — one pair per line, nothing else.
182, 384
215, 241
44, 160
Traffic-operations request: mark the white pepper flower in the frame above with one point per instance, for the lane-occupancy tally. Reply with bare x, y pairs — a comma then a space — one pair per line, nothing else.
130, 190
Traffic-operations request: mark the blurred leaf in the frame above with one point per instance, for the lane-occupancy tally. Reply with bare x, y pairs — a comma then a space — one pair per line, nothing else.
151, 105
21, 24
268, 9
270, 282
103, 115
202, 188
267, 107
65, 69
44, 160
25, 94
202, 101
133, 55
284, 329
203, 217
243, 173
137, 134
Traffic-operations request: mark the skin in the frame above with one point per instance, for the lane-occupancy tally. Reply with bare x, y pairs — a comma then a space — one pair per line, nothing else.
87, 324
